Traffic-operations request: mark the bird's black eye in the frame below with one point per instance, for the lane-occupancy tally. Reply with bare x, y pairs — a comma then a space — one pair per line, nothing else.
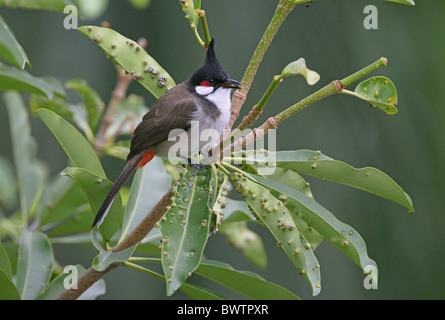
212, 81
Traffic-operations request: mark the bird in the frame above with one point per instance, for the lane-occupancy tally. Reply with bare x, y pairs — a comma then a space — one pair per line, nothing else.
203, 99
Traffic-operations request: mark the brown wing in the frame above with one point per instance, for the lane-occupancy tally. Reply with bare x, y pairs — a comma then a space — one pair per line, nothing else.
171, 111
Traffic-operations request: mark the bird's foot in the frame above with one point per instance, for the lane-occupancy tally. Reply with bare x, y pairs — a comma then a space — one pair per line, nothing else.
197, 166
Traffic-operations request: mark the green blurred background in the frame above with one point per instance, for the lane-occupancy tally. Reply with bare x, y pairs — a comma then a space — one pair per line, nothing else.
408, 146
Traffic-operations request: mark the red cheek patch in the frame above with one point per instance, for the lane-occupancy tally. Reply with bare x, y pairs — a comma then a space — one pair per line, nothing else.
205, 84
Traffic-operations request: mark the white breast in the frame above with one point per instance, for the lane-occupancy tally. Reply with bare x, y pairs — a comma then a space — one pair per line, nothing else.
221, 98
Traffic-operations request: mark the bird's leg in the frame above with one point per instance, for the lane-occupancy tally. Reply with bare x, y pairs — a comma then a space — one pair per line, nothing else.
198, 166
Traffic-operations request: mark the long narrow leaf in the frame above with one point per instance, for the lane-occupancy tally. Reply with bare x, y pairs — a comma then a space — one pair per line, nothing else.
52, 5
5, 264
35, 263
20, 80
10, 49
134, 59
29, 174
93, 102
185, 228
246, 283
316, 164
294, 180
95, 189
8, 289
277, 218
75, 145
341, 235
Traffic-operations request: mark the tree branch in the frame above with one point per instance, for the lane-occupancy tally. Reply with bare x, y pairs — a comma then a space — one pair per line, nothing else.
272, 123
282, 11
90, 276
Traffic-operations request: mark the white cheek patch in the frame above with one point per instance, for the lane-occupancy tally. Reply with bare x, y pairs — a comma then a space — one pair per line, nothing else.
203, 90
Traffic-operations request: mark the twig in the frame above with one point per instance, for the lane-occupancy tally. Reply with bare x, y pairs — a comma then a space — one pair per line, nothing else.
90, 276
205, 28
282, 11
272, 123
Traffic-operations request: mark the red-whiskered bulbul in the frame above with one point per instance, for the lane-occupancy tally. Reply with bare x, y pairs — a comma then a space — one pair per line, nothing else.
204, 97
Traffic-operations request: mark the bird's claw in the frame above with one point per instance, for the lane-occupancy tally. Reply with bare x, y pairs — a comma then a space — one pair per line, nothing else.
197, 166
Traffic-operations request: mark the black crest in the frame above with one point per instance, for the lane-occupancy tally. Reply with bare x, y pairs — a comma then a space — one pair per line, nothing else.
212, 71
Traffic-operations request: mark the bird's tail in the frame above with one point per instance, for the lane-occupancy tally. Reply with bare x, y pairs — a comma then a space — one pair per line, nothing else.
131, 165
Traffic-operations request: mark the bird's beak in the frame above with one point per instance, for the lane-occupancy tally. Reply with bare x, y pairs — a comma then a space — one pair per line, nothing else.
230, 83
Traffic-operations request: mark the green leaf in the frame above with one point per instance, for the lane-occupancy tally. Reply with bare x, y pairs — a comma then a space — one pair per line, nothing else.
316, 164
140, 201
8, 184
380, 92
15, 79
118, 150
105, 258
246, 241
64, 208
277, 218
52, 5
341, 235
29, 172
189, 8
246, 283
237, 211
5, 265
56, 86
200, 293
56, 105
10, 49
298, 67
93, 103
407, 2
194, 291
35, 264
57, 285
73, 143
134, 59
95, 189
77, 238
9, 290
294, 180
185, 228
220, 191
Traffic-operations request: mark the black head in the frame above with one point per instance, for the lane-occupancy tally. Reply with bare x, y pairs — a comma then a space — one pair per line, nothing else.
212, 73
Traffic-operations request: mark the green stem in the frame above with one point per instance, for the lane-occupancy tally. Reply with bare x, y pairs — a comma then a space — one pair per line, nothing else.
253, 114
198, 37
205, 27
269, 92
225, 164
282, 11
330, 89
143, 259
223, 169
145, 270
366, 70
334, 87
